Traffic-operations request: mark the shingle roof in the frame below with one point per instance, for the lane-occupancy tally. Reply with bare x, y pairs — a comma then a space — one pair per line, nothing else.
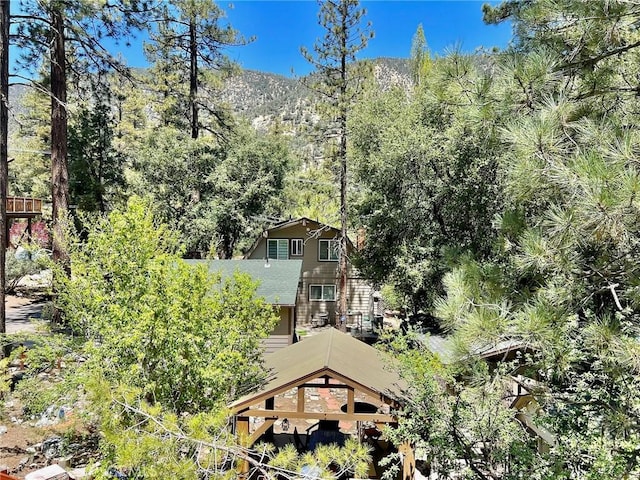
444, 348
278, 282
330, 351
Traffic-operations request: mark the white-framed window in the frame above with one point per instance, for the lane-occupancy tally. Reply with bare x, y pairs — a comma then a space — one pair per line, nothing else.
328, 250
322, 293
297, 246
278, 248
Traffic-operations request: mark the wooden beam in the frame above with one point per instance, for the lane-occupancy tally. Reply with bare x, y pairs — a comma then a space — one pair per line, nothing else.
243, 406
325, 385
350, 401
301, 391
353, 417
260, 430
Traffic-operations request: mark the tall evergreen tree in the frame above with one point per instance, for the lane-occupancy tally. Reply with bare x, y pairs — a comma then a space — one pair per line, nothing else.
61, 34
4, 137
188, 48
96, 168
420, 59
566, 284
339, 81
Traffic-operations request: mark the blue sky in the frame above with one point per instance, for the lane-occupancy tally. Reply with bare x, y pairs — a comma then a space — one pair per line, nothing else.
281, 27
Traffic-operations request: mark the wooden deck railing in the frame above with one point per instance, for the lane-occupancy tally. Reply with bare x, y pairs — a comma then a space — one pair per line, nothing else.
24, 205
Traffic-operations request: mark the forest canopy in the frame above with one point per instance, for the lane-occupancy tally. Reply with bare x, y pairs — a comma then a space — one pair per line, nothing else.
497, 192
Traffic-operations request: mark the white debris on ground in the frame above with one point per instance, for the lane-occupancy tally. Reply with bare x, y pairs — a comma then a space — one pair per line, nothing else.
37, 280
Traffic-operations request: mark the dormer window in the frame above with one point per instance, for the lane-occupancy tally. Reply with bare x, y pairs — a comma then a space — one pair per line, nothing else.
328, 250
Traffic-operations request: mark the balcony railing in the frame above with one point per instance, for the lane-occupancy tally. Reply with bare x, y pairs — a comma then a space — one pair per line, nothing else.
17, 206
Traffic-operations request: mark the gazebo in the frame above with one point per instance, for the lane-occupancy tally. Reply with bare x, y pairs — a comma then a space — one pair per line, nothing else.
335, 366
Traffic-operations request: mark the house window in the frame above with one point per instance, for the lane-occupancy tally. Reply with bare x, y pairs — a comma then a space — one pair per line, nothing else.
296, 247
328, 250
318, 293
278, 249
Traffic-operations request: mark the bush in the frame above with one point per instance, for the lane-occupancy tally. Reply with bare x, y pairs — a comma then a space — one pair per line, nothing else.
20, 263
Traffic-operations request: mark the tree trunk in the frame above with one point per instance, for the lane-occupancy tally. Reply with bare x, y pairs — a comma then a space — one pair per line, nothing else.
193, 79
342, 265
342, 153
4, 138
59, 169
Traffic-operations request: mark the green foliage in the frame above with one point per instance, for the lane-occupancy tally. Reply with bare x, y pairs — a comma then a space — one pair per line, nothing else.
428, 167
392, 298
212, 193
312, 193
30, 172
17, 268
460, 429
96, 169
148, 441
5, 379
420, 60
565, 282
184, 339
43, 354
189, 63
340, 77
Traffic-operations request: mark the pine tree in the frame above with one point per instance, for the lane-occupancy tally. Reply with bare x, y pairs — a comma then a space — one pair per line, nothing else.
340, 79
187, 48
4, 137
62, 34
420, 60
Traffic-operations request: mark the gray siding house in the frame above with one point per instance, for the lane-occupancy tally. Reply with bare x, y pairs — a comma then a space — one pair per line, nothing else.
316, 244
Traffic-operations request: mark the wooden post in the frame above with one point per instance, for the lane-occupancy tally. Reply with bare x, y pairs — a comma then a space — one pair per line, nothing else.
242, 434
301, 391
269, 404
350, 401
408, 461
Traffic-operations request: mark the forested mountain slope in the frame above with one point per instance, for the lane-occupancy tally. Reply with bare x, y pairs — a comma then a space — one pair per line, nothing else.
265, 98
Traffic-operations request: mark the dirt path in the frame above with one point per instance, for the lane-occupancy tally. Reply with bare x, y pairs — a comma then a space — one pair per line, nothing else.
20, 311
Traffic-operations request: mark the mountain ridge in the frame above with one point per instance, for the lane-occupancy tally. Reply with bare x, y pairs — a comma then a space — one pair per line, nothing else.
266, 99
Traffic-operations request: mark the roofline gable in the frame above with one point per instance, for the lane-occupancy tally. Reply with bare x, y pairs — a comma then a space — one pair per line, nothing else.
266, 233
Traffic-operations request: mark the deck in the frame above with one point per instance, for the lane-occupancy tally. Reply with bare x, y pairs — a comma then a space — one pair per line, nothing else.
23, 207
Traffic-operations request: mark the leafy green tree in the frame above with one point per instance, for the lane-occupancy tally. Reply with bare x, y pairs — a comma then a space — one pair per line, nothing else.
462, 428
187, 341
167, 347
312, 193
339, 80
212, 194
427, 165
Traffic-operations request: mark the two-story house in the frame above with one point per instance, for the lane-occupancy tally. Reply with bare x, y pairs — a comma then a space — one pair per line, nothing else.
317, 245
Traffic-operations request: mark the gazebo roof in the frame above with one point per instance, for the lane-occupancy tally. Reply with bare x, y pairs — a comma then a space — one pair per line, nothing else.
331, 353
